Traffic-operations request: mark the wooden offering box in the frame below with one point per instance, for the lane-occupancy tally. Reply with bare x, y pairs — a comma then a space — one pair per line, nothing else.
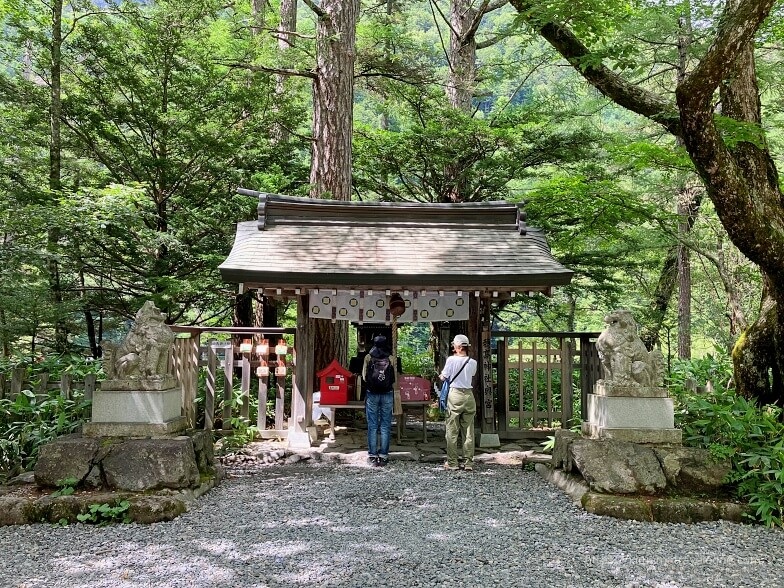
336, 384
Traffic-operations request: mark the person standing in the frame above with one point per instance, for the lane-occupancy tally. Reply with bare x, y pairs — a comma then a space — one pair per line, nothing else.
378, 377
460, 369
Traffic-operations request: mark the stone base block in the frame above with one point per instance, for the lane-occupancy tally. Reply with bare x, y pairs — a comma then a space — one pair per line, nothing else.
489, 440
670, 436
168, 428
132, 384
298, 440
602, 388
137, 406
620, 412
313, 434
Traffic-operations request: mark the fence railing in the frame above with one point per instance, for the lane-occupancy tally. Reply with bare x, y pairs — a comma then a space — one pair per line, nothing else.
538, 375
16, 380
222, 363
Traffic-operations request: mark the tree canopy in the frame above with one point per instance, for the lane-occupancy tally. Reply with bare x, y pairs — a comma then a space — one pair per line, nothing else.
129, 126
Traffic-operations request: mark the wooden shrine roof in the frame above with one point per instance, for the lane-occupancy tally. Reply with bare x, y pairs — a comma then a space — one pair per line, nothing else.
313, 243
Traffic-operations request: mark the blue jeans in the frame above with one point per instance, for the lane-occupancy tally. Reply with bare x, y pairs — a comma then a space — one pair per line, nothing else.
378, 408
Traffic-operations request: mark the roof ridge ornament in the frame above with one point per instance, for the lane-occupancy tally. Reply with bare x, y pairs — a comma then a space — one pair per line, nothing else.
521, 218
261, 210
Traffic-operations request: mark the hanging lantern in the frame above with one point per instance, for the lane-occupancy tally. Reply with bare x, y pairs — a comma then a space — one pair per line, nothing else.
281, 348
262, 348
263, 370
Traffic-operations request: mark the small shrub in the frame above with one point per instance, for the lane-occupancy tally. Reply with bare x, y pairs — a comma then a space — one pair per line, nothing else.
65, 487
734, 428
104, 514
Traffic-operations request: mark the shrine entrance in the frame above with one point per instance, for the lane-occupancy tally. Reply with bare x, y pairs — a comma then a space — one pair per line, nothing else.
355, 261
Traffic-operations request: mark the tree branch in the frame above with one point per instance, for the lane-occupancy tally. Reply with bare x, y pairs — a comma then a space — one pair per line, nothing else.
274, 70
609, 83
736, 28
315, 8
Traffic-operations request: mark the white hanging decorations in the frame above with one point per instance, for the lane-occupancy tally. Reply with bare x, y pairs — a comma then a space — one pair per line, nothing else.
364, 306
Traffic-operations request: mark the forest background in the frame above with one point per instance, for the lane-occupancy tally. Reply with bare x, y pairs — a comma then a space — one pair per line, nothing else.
129, 125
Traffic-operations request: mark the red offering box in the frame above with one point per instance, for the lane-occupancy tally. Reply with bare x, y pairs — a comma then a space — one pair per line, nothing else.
414, 388
336, 384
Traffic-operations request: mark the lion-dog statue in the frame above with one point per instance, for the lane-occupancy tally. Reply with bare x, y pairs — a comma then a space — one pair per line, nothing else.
144, 353
625, 360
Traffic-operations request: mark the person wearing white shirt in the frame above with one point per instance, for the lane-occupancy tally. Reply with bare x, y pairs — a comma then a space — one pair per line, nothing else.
461, 404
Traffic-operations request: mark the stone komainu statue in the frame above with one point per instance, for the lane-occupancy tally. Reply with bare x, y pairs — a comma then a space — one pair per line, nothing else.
625, 360
144, 353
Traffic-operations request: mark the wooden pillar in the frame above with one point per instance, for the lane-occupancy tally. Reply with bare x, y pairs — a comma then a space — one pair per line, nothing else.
488, 434
298, 436
210, 388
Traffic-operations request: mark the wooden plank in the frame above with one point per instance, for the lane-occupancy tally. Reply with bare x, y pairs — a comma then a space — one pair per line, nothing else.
280, 403
191, 381
261, 417
520, 379
486, 372
535, 379
549, 384
89, 386
17, 379
502, 384
228, 386
210, 390
245, 387
65, 386
43, 385
566, 383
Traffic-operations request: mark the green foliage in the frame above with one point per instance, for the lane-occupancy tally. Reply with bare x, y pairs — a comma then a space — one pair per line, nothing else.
414, 350
65, 487
242, 433
734, 428
483, 155
29, 420
105, 514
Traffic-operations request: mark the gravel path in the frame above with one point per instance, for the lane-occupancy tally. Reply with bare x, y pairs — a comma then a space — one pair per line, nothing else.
410, 524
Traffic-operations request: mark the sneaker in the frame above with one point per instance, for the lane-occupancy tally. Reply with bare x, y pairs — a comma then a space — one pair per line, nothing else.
382, 461
372, 460
450, 467
468, 467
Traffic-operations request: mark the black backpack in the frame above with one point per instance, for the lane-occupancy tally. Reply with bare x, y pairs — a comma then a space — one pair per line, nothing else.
380, 375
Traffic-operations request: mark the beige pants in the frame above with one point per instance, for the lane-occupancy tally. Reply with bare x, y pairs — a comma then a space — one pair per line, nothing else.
461, 410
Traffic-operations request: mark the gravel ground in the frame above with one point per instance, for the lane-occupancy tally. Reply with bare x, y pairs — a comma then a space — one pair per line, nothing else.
410, 524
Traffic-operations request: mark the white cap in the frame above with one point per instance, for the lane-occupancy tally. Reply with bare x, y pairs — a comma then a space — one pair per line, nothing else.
461, 340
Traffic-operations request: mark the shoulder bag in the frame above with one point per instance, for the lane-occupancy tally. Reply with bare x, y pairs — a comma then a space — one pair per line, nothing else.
445, 387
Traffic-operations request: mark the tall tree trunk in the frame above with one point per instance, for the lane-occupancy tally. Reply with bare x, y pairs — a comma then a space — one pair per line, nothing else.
258, 13
55, 176
333, 99
285, 33
333, 111
462, 54
756, 374
464, 21
667, 282
686, 199
461, 81
735, 313
688, 203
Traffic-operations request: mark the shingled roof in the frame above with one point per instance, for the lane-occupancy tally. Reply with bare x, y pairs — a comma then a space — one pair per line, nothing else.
313, 243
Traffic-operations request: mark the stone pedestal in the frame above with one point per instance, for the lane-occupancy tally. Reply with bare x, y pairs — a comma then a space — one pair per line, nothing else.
136, 413
489, 440
638, 414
